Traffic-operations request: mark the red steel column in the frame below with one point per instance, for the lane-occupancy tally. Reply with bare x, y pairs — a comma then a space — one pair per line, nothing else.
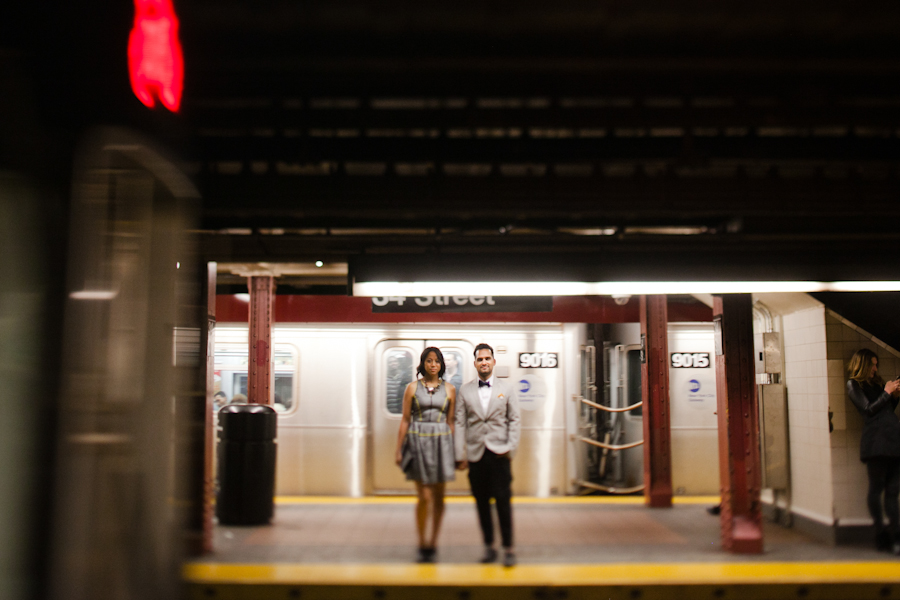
739, 464
655, 395
262, 304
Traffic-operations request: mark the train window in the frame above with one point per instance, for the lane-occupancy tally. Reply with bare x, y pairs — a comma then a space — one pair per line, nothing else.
232, 358
283, 363
633, 364
284, 392
588, 381
453, 360
282, 358
230, 377
239, 384
398, 374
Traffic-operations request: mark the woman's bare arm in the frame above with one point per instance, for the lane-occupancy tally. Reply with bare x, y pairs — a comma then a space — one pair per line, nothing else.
404, 420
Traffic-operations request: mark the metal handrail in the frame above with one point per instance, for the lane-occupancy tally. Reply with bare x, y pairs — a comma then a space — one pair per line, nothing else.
611, 490
608, 409
607, 446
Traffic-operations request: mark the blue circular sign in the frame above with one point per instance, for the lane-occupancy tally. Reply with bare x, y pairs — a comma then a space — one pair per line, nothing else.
694, 385
524, 386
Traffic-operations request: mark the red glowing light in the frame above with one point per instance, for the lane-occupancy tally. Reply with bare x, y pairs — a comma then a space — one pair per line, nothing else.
155, 62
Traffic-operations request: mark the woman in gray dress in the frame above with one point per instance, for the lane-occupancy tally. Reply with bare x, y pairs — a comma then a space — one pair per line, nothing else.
425, 445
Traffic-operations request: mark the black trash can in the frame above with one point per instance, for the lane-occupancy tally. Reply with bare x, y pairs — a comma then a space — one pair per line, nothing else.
246, 464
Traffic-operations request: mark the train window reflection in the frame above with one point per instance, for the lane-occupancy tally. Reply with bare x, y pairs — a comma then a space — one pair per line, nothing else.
453, 360
230, 376
239, 385
284, 392
231, 358
633, 364
398, 374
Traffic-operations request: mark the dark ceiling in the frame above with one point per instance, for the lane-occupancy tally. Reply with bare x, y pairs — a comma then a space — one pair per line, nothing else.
649, 129
339, 128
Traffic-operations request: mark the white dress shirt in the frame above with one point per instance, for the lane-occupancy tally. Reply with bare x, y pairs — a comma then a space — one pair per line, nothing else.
484, 393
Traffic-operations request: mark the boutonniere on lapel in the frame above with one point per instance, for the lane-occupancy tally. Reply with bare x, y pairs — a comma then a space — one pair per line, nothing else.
499, 395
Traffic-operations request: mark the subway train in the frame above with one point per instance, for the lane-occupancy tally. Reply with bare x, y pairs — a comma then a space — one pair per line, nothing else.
338, 390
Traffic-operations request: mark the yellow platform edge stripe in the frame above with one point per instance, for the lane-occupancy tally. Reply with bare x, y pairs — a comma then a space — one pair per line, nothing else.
558, 575
288, 500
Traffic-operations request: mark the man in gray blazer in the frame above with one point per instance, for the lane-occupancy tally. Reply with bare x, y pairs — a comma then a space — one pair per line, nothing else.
487, 435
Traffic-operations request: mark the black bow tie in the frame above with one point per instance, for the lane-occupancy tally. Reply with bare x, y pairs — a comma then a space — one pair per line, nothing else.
482, 384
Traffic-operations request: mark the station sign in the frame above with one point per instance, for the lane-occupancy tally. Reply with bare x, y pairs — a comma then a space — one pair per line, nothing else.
461, 304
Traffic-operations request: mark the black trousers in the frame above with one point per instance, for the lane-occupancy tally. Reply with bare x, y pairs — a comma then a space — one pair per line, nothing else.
491, 477
884, 477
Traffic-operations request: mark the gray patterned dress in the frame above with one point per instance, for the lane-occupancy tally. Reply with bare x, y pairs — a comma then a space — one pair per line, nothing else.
428, 448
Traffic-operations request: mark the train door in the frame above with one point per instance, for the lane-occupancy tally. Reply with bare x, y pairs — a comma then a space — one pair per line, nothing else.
395, 367
692, 411
631, 467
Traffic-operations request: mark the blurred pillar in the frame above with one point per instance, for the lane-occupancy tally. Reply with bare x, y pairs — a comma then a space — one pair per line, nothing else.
655, 396
262, 303
31, 268
739, 466
199, 429
209, 469
193, 404
130, 376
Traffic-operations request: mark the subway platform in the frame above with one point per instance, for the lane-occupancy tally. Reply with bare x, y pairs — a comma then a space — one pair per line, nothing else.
567, 548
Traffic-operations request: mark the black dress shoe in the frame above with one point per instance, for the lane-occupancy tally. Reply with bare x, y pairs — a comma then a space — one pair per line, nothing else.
509, 559
883, 541
430, 555
490, 555
423, 556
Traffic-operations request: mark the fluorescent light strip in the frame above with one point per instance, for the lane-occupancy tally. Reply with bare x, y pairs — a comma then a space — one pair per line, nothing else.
93, 295
377, 289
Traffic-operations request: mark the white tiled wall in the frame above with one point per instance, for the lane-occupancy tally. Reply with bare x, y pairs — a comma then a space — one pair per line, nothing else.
828, 480
848, 473
806, 382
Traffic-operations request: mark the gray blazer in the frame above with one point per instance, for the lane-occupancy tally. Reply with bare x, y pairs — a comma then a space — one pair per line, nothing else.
498, 429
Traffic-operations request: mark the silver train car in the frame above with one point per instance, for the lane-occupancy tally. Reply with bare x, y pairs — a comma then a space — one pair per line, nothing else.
338, 391
692, 410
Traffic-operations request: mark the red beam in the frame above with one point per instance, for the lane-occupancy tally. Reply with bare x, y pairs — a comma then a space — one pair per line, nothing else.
655, 395
348, 309
739, 464
259, 376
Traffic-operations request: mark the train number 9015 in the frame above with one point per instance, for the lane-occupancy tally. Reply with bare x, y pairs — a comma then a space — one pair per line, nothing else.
689, 360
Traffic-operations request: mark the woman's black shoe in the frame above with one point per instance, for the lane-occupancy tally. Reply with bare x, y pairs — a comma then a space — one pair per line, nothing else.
426, 555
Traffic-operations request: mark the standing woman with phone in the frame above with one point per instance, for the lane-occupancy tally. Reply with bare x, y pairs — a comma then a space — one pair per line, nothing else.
879, 444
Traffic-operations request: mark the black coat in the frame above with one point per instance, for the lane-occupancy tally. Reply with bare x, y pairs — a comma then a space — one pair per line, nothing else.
881, 429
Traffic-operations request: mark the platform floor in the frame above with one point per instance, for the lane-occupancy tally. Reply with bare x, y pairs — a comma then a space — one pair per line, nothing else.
615, 543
